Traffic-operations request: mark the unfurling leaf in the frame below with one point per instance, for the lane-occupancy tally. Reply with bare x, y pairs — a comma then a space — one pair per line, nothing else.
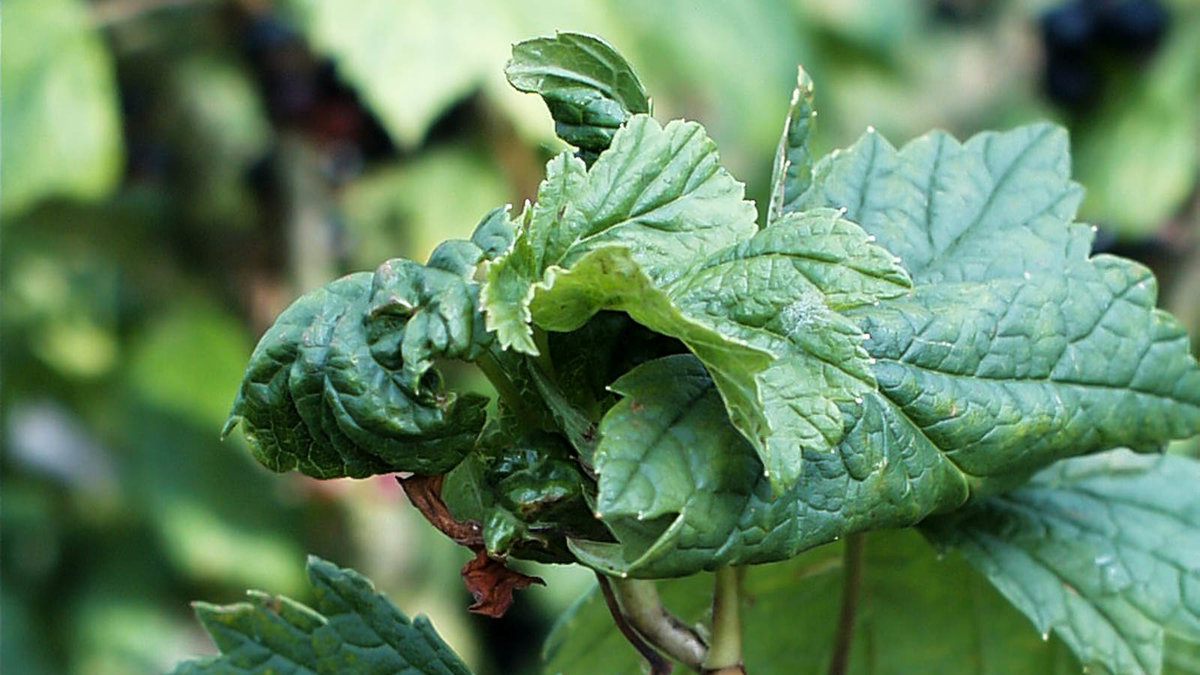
349, 628
588, 87
343, 384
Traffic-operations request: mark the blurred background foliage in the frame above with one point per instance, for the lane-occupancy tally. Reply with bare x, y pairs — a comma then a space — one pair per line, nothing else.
174, 172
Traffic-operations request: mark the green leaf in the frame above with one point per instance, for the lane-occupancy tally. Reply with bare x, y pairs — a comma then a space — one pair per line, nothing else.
594, 241
1143, 138
61, 128
343, 384
991, 368
1015, 347
588, 87
658, 192
1103, 550
791, 173
781, 291
350, 628
966, 625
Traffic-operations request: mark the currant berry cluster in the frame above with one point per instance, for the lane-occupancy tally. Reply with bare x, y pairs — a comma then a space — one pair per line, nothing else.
1084, 37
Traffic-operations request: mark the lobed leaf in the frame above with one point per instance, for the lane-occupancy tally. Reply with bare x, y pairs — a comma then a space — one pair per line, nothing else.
588, 87
1103, 550
350, 628
343, 383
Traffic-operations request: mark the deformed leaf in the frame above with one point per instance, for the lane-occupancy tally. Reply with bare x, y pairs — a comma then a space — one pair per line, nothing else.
343, 384
1103, 550
658, 192
588, 87
350, 628
762, 314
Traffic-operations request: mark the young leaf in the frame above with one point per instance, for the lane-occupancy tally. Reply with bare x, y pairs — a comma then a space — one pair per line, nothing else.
761, 314
588, 87
343, 385
350, 628
791, 173
659, 192
1103, 550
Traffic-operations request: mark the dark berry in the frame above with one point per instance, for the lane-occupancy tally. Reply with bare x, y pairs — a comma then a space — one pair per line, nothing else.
1070, 26
1135, 26
1071, 80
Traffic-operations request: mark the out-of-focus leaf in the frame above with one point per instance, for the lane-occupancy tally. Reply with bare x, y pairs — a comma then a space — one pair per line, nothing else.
1104, 551
904, 585
409, 209
351, 628
188, 360
343, 384
1138, 154
588, 87
60, 127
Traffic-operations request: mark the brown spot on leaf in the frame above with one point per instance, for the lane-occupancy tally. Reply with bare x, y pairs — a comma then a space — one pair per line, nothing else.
636, 407
492, 583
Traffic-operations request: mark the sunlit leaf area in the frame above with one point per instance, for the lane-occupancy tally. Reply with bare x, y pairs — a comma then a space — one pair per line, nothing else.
175, 173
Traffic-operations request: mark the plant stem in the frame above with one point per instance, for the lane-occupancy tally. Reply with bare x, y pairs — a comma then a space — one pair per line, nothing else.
725, 652
640, 604
658, 664
504, 387
853, 557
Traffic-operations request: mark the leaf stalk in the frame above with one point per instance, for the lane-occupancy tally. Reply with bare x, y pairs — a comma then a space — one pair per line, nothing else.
641, 606
725, 650
851, 585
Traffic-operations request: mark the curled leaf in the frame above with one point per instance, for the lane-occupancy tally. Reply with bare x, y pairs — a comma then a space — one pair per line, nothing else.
492, 584
343, 384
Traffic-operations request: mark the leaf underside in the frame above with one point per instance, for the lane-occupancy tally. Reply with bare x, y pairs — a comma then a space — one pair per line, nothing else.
350, 628
1104, 551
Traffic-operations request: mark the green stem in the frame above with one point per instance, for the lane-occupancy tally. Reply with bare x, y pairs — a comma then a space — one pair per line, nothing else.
658, 664
725, 650
506, 389
641, 605
844, 636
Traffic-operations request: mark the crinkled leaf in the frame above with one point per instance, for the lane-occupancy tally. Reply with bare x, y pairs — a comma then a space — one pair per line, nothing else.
1104, 551
343, 384
658, 192
993, 367
965, 625
1015, 348
588, 87
761, 314
781, 291
350, 628
61, 127
791, 173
